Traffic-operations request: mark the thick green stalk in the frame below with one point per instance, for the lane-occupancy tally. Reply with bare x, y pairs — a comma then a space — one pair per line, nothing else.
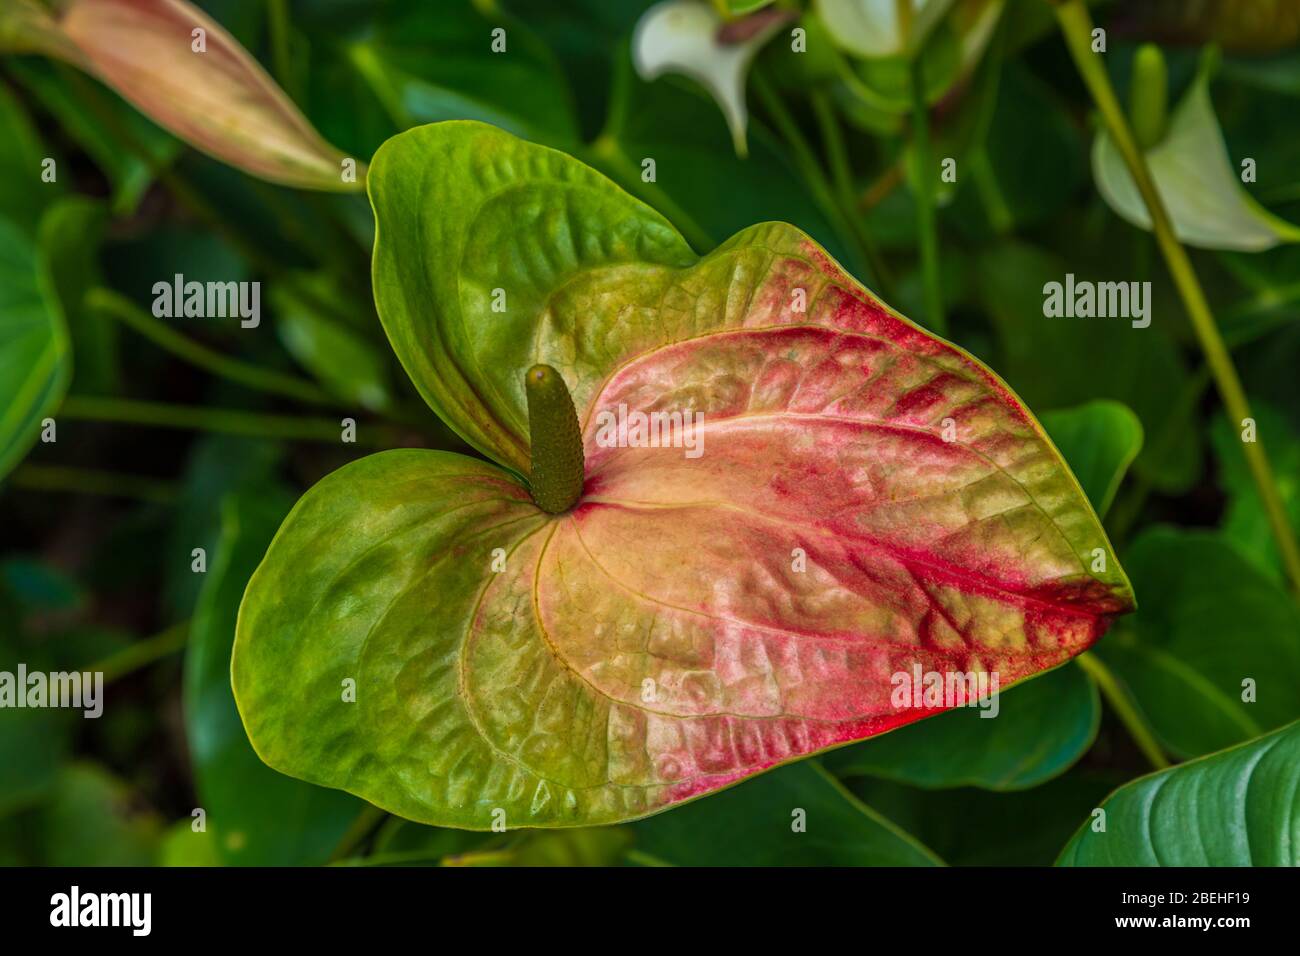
164, 336
1076, 24
925, 211
556, 441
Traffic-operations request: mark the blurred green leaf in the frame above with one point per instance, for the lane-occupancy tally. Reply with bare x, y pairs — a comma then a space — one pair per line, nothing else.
1245, 523
423, 69
1061, 362
68, 252
1240, 807
679, 128
346, 363
1099, 441
1209, 622
258, 816
758, 823
218, 466
182, 846
1043, 725
94, 819
23, 193
123, 142
35, 365
970, 827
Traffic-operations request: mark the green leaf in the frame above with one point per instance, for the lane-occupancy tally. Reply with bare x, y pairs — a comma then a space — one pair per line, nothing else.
424, 69
972, 827
1100, 441
34, 350
1239, 807
182, 845
1209, 622
68, 252
698, 616
1199, 183
1245, 522
94, 819
876, 29
23, 192
258, 817
109, 130
674, 124
345, 362
796, 816
1039, 729
1060, 362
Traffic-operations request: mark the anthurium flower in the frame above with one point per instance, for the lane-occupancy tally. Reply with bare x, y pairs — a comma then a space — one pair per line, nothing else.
186, 73
1199, 182
633, 625
689, 37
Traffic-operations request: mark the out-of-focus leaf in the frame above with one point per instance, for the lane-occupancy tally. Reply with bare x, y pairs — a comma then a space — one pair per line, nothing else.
219, 465
583, 846
1058, 362
183, 846
202, 86
796, 816
676, 126
1041, 727
94, 819
1099, 440
687, 37
33, 742
68, 253
109, 130
1198, 182
35, 362
401, 841
970, 827
1239, 807
425, 69
345, 362
1245, 523
24, 193
1212, 657
258, 816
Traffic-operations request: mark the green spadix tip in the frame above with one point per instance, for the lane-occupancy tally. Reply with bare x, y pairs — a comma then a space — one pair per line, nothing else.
555, 439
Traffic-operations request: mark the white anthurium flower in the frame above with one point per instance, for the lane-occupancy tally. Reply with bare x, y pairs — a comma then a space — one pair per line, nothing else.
874, 29
1198, 181
690, 38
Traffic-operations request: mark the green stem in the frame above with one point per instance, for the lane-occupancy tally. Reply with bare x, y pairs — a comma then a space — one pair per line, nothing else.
366, 822
1076, 24
809, 166
223, 420
837, 156
87, 481
143, 653
1122, 704
277, 14
925, 209
166, 337
556, 441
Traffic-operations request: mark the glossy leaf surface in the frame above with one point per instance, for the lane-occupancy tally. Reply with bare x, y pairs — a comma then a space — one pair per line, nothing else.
1240, 807
695, 619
